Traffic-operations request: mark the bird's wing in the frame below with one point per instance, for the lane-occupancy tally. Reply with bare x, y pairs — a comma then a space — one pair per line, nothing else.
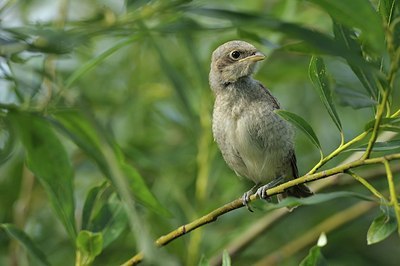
274, 101
293, 165
301, 190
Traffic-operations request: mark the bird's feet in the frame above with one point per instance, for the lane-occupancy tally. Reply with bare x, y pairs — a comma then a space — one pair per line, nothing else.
246, 197
262, 191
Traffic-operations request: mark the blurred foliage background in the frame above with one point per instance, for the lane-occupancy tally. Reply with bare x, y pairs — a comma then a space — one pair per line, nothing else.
105, 134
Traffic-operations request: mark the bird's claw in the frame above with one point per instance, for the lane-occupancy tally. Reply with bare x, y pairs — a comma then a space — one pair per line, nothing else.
262, 191
246, 199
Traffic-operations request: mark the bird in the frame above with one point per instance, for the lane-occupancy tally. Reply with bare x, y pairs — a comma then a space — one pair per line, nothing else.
255, 142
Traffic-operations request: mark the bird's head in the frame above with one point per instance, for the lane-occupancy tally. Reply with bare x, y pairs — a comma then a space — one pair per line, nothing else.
232, 61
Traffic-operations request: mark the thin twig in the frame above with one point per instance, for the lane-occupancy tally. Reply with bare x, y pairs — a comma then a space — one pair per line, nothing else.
378, 119
236, 204
240, 243
341, 148
393, 195
367, 185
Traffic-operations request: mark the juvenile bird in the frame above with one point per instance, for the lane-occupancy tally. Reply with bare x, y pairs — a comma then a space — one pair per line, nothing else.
254, 141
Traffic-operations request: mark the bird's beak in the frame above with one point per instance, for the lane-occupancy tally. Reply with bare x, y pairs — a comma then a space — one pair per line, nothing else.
254, 58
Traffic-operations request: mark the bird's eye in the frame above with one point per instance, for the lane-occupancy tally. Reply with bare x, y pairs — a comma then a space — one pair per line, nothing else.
234, 55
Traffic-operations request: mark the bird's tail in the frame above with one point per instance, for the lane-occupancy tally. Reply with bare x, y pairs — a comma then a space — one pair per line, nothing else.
299, 191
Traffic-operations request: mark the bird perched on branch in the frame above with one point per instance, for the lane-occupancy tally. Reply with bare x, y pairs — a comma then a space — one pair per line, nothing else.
255, 142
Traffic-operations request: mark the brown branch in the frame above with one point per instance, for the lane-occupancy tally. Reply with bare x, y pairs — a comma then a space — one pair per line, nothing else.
264, 223
236, 204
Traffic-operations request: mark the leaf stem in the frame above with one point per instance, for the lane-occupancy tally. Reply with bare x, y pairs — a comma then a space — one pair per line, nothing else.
366, 184
396, 114
341, 148
392, 191
378, 119
236, 204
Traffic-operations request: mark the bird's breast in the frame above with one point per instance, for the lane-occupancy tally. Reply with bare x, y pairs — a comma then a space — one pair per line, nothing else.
254, 141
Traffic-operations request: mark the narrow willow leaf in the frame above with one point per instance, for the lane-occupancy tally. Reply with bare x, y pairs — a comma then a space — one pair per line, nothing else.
7, 140
89, 246
203, 261
353, 98
141, 192
315, 41
314, 258
22, 238
315, 199
92, 63
392, 146
103, 212
84, 134
47, 39
382, 226
90, 205
245, 34
77, 127
226, 259
116, 224
390, 128
384, 121
367, 19
48, 160
176, 78
319, 78
301, 124
366, 76
387, 8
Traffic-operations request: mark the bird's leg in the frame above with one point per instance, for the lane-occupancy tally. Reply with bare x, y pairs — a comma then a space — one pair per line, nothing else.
262, 191
246, 197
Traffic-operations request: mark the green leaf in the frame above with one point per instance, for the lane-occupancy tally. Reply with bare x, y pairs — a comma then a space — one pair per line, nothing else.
84, 134
7, 140
319, 78
116, 224
245, 34
48, 39
77, 127
104, 212
89, 246
291, 202
314, 258
365, 74
382, 226
48, 160
384, 121
315, 41
176, 78
141, 192
90, 206
353, 98
387, 9
26, 242
226, 259
301, 124
366, 19
385, 146
92, 63
203, 261
390, 128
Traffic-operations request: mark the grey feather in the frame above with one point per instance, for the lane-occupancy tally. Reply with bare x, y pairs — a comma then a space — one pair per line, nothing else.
254, 141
